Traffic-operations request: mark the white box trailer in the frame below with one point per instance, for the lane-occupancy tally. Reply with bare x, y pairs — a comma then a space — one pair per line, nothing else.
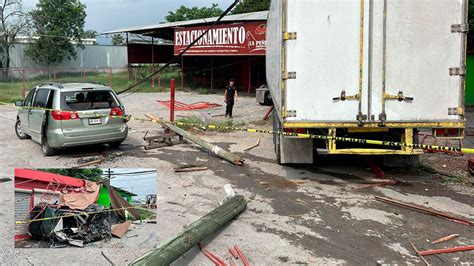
367, 68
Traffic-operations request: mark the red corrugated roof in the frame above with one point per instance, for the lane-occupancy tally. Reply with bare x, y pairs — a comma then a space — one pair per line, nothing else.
48, 177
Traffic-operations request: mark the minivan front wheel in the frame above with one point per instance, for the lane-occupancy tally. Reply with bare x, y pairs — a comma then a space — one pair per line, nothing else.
19, 130
47, 151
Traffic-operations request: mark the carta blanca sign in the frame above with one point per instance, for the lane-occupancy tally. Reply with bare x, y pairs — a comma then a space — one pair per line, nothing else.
228, 39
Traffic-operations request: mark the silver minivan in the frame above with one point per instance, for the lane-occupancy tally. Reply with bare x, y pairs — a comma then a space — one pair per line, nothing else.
72, 114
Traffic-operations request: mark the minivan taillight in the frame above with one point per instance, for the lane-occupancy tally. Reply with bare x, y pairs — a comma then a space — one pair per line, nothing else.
64, 115
116, 111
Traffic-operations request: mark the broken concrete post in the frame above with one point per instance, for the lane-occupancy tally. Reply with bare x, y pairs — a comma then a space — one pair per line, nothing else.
233, 158
170, 251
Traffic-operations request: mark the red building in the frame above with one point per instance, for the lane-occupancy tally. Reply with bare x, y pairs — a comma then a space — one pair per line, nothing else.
33, 187
235, 48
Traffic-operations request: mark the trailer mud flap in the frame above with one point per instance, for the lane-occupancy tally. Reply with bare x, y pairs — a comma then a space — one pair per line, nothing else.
296, 150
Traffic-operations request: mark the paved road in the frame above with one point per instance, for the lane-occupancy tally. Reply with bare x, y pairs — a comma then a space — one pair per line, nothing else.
300, 214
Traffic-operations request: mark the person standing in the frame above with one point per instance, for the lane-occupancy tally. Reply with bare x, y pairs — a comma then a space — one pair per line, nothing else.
230, 96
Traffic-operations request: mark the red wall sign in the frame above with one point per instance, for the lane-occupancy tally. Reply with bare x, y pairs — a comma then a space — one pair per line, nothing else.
228, 39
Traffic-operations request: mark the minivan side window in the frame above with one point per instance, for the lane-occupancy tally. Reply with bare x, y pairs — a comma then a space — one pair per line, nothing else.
29, 98
41, 98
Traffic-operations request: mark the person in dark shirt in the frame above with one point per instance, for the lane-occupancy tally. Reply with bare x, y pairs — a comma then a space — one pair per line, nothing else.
230, 96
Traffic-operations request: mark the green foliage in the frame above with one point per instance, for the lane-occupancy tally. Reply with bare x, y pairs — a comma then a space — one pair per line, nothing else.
90, 34
247, 6
117, 39
92, 174
197, 120
57, 23
185, 13
13, 22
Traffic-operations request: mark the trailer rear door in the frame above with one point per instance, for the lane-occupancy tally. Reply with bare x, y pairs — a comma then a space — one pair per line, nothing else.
423, 41
327, 57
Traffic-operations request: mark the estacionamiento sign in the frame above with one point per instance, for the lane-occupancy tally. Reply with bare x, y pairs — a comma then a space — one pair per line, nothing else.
228, 39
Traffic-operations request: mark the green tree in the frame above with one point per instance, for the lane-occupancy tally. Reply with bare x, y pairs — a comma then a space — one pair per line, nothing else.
90, 34
117, 39
58, 23
92, 174
247, 6
185, 13
13, 21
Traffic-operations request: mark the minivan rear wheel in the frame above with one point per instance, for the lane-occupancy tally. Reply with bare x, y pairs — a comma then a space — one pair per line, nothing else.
47, 151
19, 130
115, 144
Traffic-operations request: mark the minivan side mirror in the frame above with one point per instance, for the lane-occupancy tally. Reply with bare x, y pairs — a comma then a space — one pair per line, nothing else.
18, 103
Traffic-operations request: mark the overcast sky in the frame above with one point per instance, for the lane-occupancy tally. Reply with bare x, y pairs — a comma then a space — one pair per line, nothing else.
140, 184
107, 15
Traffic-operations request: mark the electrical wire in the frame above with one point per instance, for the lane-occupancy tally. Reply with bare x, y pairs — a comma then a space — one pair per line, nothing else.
174, 59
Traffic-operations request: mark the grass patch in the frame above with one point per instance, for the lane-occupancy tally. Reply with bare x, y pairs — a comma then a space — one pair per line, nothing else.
197, 120
12, 89
203, 91
145, 214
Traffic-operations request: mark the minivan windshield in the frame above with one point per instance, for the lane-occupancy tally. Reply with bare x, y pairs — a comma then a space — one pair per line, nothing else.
87, 100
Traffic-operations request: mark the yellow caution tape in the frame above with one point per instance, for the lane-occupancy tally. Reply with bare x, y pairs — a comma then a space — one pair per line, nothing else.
289, 134
79, 214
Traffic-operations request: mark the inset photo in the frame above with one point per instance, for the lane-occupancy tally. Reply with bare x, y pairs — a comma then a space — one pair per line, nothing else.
93, 207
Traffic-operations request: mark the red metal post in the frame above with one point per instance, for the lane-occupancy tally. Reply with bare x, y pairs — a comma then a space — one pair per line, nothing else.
24, 84
110, 77
172, 85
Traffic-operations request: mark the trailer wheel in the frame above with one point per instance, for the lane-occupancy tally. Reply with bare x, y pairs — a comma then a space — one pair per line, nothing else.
276, 137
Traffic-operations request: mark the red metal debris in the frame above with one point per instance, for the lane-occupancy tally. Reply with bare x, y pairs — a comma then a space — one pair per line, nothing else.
267, 114
232, 252
445, 250
375, 169
180, 106
425, 210
216, 260
241, 255
470, 165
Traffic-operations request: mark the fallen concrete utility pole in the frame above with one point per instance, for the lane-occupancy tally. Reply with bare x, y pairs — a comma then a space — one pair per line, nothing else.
425, 210
233, 158
195, 233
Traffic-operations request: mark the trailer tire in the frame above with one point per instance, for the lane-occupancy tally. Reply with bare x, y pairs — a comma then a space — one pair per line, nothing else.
276, 137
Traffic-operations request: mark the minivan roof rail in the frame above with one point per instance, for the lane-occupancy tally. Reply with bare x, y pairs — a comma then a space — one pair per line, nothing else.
52, 84
87, 82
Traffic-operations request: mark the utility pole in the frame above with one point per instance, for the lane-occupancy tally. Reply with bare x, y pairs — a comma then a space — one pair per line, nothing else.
109, 176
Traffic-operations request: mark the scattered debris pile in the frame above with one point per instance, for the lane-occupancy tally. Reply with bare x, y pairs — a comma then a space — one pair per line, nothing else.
77, 219
74, 227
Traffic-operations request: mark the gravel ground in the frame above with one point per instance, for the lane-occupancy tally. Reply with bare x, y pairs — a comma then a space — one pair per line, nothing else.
296, 214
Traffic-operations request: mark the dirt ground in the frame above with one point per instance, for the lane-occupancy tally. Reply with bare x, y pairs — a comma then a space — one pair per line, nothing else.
308, 214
